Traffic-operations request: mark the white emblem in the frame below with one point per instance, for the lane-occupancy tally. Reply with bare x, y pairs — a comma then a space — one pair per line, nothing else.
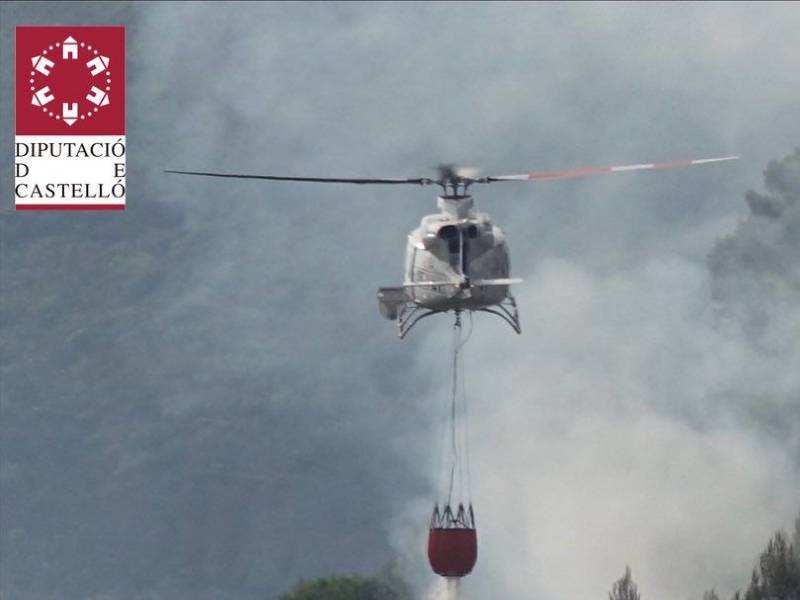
42, 64
42, 97
98, 93
70, 49
69, 112
97, 96
98, 63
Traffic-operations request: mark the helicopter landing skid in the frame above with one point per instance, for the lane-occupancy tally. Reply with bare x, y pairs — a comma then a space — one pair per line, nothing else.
506, 310
411, 313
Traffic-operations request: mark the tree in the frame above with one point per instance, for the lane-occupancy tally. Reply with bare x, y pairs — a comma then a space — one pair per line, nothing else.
387, 586
624, 588
777, 576
754, 589
711, 595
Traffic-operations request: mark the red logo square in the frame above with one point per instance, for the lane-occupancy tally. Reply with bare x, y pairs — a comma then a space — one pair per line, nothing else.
70, 80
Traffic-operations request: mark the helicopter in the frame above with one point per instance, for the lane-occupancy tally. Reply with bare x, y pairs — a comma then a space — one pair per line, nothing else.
457, 259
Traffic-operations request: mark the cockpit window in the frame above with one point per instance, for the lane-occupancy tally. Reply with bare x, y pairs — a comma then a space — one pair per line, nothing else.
449, 233
459, 244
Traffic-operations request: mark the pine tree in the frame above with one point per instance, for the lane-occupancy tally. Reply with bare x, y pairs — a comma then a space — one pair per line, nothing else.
624, 588
754, 589
388, 585
779, 570
777, 576
711, 595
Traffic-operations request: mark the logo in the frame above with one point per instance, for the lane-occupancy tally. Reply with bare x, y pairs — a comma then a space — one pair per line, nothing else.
70, 118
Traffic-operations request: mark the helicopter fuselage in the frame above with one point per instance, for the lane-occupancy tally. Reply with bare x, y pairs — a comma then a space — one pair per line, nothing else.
456, 260
459, 248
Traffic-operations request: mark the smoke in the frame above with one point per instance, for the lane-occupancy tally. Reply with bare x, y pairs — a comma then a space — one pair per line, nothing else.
756, 272
443, 589
260, 411
647, 417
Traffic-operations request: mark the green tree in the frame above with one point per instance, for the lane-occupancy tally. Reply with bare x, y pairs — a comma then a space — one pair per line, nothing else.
777, 576
711, 595
387, 586
754, 589
624, 588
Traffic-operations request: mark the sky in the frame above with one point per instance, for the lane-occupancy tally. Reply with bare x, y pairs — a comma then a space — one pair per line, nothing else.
647, 414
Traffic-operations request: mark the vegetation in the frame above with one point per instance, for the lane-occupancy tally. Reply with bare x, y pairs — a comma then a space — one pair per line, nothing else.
775, 577
624, 588
387, 586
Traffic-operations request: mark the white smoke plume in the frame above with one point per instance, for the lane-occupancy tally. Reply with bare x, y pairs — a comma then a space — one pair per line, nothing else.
642, 419
443, 589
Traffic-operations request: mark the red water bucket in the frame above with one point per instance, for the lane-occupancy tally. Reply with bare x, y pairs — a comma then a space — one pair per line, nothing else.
452, 552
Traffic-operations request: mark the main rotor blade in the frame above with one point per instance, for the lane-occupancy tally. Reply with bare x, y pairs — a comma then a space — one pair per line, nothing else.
566, 174
418, 181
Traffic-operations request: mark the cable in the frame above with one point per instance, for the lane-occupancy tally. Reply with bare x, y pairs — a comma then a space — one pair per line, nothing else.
458, 470
453, 401
465, 428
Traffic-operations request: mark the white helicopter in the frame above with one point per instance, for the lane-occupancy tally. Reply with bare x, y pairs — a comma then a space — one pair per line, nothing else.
457, 260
